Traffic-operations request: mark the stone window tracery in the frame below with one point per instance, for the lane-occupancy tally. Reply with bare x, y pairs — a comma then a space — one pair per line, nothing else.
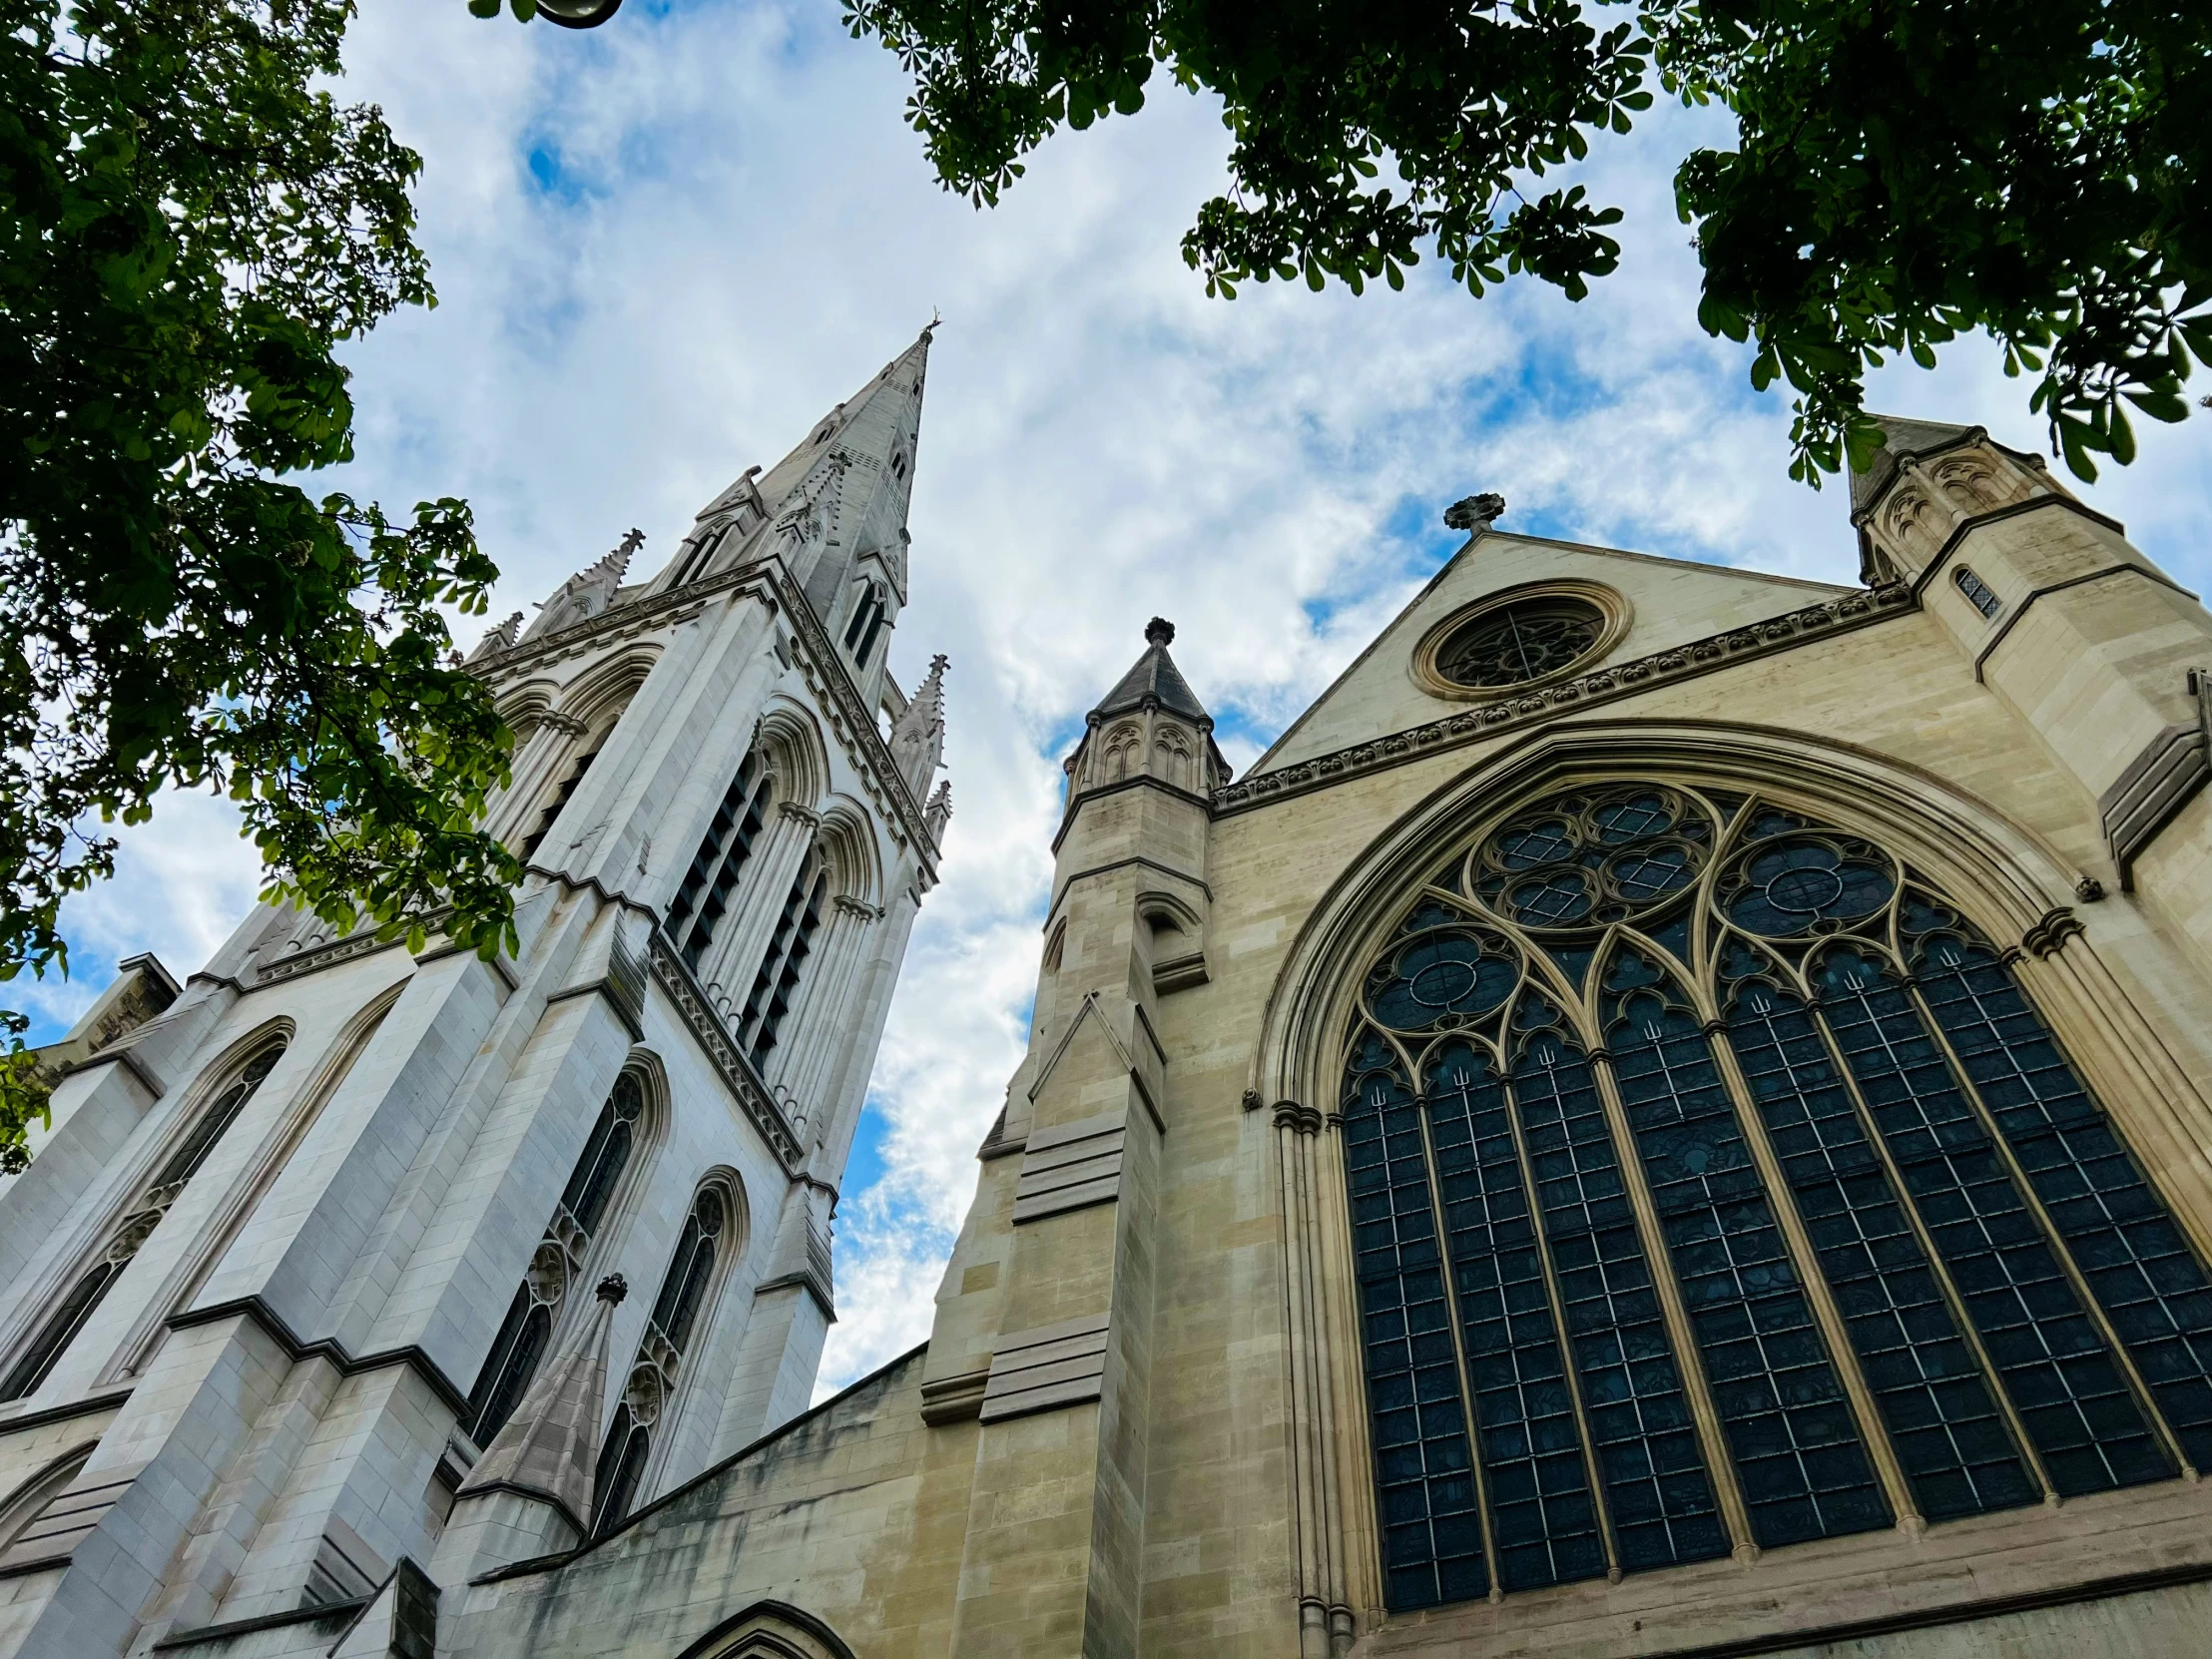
1527, 639
154, 1201
650, 1388
558, 1263
1715, 1183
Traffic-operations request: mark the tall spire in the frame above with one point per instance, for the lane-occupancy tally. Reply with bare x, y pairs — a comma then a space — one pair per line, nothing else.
838, 498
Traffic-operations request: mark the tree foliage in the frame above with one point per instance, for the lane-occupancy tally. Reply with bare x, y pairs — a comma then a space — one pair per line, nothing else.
1905, 170
188, 226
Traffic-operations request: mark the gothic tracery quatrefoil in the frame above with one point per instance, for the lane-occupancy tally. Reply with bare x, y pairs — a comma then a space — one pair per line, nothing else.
1593, 857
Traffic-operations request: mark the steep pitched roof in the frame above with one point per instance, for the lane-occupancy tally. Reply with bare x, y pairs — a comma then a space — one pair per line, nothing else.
1155, 677
1905, 437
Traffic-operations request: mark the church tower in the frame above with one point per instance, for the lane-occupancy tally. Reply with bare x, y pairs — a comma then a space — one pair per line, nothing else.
1663, 1116
345, 1273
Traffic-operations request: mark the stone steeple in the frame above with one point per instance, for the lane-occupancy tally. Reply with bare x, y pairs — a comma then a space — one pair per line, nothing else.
835, 507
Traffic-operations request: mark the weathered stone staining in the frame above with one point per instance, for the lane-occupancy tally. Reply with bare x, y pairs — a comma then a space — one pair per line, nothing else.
240, 1397
1661, 1117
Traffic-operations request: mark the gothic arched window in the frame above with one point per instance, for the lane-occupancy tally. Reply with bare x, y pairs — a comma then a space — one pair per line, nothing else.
84, 1297
776, 982
869, 611
557, 1263
651, 1385
711, 881
1713, 1183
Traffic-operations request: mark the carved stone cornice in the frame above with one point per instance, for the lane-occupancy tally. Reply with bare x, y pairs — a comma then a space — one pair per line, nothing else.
1606, 685
324, 955
714, 1038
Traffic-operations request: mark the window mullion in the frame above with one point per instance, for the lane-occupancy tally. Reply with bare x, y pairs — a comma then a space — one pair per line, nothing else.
1835, 1330
1450, 1278
1660, 1263
2061, 1252
1569, 1369
1909, 1207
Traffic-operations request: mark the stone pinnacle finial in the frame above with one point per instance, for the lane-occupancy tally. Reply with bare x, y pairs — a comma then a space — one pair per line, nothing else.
1474, 512
1159, 631
613, 1289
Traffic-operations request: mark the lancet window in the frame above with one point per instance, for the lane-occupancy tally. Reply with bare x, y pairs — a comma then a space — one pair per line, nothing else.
710, 884
1714, 1183
570, 780
153, 1200
651, 1385
860, 633
776, 984
558, 1263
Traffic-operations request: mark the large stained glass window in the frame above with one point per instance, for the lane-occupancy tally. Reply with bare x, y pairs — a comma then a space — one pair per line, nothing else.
1715, 1185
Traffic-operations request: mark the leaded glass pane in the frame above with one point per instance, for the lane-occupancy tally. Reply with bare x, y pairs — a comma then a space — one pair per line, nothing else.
2072, 1397
1544, 1522
2138, 1266
1952, 1440
1656, 1489
1425, 1479
1803, 1468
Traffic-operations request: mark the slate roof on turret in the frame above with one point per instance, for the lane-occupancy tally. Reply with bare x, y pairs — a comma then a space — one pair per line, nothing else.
1905, 437
1155, 676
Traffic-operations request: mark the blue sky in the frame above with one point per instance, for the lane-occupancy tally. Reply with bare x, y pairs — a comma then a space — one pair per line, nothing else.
665, 246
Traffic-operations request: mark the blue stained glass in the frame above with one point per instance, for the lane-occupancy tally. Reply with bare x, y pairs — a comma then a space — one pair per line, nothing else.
1952, 1441
1796, 885
1657, 1493
1425, 1479
2072, 1397
1541, 1514
2138, 1266
1439, 974
1803, 1468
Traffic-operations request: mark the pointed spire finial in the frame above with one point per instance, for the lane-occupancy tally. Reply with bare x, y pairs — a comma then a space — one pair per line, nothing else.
613, 1289
1159, 631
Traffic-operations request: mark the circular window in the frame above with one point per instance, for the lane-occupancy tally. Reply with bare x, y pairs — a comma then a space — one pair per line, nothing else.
1520, 638
1593, 857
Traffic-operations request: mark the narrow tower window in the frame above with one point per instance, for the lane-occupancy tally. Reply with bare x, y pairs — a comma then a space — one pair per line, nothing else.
1976, 590
552, 814
861, 631
651, 1385
711, 881
524, 1334
777, 982
85, 1297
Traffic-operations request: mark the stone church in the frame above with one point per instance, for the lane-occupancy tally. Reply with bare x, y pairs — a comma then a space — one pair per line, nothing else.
1662, 1117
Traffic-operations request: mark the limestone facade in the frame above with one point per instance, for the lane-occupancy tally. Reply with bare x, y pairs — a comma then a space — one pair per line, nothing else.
1662, 1118
312, 1240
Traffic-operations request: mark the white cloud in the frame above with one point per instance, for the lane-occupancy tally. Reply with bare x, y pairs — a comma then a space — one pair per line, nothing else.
739, 230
